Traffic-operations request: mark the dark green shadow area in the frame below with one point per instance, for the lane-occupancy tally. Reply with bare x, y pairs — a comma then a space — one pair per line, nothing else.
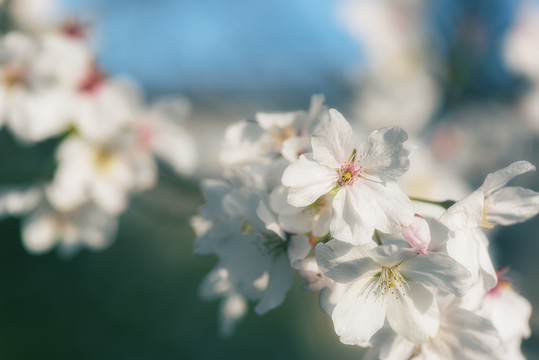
138, 299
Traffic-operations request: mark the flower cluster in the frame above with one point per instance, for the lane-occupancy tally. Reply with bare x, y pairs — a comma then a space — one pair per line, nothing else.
106, 138
303, 193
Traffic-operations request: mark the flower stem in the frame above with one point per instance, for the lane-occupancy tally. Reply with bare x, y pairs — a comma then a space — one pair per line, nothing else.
445, 204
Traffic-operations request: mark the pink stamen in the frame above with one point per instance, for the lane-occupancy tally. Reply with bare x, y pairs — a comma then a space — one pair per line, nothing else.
349, 173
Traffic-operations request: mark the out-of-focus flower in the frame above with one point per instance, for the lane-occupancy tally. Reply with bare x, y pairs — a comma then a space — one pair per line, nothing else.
398, 64
86, 226
521, 48
44, 227
255, 257
35, 15
314, 218
102, 172
510, 313
233, 305
160, 130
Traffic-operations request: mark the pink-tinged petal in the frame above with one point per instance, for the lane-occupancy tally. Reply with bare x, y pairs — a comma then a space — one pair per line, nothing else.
383, 155
359, 313
500, 178
513, 324
465, 213
438, 271
281, 278
415, 316
334, 142
307, 181
417, 234
511, 205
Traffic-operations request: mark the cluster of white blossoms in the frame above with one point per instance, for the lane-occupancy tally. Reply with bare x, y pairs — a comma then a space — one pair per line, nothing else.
303, 193
106, 137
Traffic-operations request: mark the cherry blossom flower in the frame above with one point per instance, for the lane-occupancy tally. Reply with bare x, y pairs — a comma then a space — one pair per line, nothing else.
102, 172
390, 283
463, 334
272, 135
44, 227
491, 204
361, 176
256, 258
312, 219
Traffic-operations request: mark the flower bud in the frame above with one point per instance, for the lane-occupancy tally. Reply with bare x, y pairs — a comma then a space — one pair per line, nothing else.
417, 234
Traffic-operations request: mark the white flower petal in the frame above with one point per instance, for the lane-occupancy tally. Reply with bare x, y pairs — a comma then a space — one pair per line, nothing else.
176, 146
511, 205
281, 278
298, 248
342, 262
269, 219
215, 284
39, 233
307, 180
500, 178
384, 158
333, 143
231, 310
439, 271
465, 213
382, 205
269, 121
476, 336
347, 224
359, 313
294, 146
416, 316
